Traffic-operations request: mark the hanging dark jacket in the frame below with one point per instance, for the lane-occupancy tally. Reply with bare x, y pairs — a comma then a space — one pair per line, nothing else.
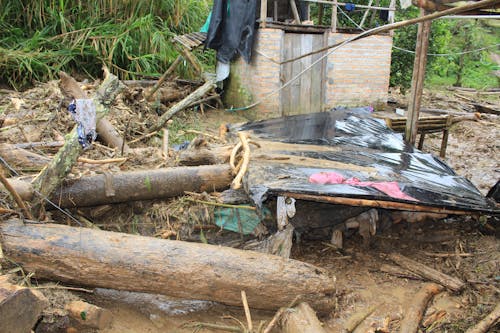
231, 30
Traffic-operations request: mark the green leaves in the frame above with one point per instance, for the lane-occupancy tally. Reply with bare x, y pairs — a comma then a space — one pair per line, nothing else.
39, 38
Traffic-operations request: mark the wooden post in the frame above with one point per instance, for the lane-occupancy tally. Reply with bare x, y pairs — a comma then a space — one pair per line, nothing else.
334, 16
295, 12
365, 15
320, 13
263, 13
417, 82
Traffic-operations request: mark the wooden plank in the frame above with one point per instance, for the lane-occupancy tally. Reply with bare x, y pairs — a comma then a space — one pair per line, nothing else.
417, 84
296, 68
317, 75
286, 74
306, 43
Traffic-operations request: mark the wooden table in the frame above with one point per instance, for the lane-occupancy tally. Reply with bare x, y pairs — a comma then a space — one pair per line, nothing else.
427, 123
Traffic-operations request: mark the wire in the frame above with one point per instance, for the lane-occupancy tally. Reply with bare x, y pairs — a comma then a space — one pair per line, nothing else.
41, 195
365, 33
413, 52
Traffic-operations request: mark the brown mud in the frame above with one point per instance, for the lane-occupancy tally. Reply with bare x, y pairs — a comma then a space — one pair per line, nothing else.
464, 247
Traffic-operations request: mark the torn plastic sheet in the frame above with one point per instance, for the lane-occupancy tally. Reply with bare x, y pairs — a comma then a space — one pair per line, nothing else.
84, 114
351, 143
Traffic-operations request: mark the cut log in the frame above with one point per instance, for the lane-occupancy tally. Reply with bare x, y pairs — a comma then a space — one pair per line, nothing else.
193, 97
22, 158
449, 282
53, 174
105, 189
416, 309
110, 136
89, 315
120, 261
487, 323
20, 307
301, 319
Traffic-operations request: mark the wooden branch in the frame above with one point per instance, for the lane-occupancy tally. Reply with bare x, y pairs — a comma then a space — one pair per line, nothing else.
449, 282
247, 311
89, 315
416, 309
53, 174
195, 95
488, 322
105, 161
301, 319
236, 184
162, 79
399, 272
16, 196
357, 318
96, 258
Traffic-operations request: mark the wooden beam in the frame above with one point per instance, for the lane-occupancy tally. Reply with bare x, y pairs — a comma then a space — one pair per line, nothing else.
263, 13
417, 82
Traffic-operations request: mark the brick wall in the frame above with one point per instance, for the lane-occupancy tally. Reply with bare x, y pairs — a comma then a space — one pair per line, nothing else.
254, 81
356, 74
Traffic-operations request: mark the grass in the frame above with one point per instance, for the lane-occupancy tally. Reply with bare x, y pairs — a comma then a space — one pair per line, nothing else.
132, 38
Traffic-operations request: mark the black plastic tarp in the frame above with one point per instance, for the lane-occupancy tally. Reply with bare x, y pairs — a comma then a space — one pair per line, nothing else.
232, 28
360, 150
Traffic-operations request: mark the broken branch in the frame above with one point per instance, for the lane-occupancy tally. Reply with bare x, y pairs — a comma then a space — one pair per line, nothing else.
417, 306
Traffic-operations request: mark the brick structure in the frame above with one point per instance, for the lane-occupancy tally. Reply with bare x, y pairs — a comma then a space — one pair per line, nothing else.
354, 75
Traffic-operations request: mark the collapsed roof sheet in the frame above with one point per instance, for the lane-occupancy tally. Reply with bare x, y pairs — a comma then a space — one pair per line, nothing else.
347, 157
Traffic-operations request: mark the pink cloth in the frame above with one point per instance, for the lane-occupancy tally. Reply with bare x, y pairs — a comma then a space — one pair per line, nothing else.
389, 188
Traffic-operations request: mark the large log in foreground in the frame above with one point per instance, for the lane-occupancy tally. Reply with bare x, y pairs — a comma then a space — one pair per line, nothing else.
111, 188
188, 270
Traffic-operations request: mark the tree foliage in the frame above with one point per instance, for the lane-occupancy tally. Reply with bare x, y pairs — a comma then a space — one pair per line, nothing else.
39, 38
449, 38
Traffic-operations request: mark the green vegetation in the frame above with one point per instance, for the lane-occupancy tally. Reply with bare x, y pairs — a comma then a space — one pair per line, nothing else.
132, 38
452, 38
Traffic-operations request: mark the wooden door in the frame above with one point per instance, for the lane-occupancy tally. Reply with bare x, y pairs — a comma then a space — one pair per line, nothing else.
307, 93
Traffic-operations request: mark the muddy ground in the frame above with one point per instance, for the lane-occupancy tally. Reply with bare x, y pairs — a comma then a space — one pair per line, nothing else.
464, 247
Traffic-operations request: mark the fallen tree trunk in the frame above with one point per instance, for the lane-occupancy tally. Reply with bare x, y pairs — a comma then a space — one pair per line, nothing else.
413, 266
22, 158
188, 270
110, 188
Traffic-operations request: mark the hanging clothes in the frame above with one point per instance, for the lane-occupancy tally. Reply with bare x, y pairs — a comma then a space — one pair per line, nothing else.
232, 28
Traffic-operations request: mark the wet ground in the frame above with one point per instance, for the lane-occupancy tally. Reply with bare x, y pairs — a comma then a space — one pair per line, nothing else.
464, 247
